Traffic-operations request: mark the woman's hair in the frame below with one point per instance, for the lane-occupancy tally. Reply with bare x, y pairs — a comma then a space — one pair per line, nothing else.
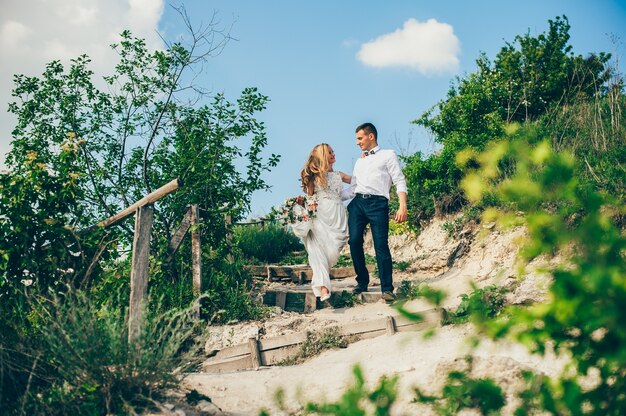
316, 167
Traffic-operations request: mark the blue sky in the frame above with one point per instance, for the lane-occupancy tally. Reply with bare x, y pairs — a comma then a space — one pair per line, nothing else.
326, 66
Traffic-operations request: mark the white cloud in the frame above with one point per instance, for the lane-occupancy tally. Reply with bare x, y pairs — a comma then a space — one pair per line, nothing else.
13, 33
427, 47
34, 32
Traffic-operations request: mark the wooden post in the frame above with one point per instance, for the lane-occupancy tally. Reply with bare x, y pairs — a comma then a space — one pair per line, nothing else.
196, 251
391, 325
254, 352
139, 270
281, 299
229, 235
310, 302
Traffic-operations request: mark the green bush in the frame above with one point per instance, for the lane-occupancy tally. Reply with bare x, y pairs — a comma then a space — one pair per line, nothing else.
266, 244
358, 399
82, 361
481, 304
316, 343
464, 392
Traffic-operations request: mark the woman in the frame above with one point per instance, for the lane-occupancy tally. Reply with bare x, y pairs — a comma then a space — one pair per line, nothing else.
326, 233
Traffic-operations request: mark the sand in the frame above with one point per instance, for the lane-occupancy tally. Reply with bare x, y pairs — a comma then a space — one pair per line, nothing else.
478, 255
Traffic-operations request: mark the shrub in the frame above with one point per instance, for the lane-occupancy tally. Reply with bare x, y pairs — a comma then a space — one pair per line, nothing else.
316, 343
481, 304
84, 364
357, 399
268, 244
464, 392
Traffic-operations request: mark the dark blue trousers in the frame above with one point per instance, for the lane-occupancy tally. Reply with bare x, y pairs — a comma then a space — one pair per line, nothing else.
374, 211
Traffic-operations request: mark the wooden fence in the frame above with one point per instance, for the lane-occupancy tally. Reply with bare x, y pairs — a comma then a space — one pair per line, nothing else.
144, 215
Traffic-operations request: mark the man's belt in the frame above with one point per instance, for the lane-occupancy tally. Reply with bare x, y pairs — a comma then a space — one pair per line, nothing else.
370, 196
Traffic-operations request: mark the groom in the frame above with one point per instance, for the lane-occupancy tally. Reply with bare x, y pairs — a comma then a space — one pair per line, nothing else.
373, 175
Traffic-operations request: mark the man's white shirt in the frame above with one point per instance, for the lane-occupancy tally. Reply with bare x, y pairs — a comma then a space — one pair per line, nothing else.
374, 174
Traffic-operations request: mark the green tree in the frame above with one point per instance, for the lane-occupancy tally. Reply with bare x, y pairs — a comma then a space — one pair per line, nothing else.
116, 145
530, 77
82, 153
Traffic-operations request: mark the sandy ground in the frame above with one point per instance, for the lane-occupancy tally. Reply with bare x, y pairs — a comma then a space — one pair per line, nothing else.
480, 255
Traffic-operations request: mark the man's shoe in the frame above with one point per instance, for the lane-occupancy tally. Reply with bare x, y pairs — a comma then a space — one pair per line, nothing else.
358, 290
388, 296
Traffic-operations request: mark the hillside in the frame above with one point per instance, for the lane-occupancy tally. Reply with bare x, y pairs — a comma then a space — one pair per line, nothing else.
479, 254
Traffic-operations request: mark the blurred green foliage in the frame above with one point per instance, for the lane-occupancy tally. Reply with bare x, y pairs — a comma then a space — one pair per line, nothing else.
582, 317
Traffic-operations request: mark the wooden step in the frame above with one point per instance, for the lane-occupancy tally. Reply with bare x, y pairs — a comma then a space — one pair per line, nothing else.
302, 299
270, 351
300, 273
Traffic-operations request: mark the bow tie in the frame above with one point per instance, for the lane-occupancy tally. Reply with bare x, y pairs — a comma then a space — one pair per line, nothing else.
369, 152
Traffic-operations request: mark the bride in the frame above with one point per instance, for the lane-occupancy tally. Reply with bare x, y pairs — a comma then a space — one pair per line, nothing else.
326, 233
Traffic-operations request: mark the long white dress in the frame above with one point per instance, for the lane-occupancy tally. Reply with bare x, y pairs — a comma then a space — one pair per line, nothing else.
325, 235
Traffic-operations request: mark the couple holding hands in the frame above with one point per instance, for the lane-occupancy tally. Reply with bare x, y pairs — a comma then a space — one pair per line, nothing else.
325, 235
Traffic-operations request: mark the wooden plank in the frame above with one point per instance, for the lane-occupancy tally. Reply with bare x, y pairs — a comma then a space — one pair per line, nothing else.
196, 251
230, 352
430, 316
258, 271
343, 272
139, 270
275, 356
146, 200
180, 233
231, 364
267, 344
264, 345
414, 327
364, 326
368, 335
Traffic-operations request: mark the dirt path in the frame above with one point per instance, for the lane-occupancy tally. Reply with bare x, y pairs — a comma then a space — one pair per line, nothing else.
489, 258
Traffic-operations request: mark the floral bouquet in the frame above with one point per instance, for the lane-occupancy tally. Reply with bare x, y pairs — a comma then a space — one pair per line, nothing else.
298, 213
298, 209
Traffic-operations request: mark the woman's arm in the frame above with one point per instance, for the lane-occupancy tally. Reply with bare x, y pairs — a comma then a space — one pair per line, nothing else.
345, 177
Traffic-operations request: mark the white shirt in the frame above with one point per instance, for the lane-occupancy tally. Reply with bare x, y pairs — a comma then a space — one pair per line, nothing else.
375, 173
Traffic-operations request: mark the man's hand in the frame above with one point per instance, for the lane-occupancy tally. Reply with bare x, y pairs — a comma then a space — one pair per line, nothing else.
402, 211
401, 214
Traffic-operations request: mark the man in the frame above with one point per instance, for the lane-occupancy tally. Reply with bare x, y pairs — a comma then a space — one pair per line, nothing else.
373, 175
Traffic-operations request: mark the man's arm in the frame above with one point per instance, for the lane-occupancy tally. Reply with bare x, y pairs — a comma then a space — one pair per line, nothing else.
398, 179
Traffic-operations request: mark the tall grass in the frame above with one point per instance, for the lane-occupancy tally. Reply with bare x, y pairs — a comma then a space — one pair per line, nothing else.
81, 362
267, 244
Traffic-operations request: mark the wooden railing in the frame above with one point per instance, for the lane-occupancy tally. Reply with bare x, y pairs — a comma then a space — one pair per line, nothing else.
144, 215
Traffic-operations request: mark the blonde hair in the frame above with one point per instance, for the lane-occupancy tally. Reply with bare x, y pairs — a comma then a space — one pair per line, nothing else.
316, 167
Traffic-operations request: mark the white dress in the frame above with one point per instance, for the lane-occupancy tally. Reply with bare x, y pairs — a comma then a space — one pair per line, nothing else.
325, 235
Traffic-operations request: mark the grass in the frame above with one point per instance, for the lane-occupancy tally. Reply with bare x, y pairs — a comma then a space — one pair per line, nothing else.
316, 343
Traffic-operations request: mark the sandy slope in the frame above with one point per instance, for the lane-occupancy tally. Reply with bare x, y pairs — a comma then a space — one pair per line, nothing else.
482, 255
